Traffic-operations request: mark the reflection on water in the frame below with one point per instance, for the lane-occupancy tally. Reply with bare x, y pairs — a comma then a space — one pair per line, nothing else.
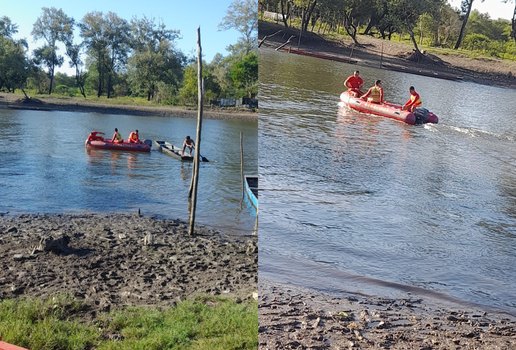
348, 194
45, 167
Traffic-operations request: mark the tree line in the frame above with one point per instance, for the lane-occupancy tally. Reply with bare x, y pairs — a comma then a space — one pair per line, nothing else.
117, 57
432, 22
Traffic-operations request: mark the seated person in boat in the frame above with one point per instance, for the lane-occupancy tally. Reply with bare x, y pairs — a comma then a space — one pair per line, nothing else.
134, 137
188, 143
94, 136
375, 93
117, 138
413, 102
354, 84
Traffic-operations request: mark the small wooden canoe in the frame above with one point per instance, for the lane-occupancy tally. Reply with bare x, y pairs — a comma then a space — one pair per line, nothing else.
251, 189
173, 151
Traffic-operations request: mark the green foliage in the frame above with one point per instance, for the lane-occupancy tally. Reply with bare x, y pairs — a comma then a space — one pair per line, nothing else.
188, 91
242, 16
7, 27
53, 26
14, 67
202, 323
244, 73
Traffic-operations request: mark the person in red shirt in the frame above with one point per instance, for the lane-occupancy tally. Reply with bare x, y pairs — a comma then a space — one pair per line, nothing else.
354, 84
413, 102
94, 136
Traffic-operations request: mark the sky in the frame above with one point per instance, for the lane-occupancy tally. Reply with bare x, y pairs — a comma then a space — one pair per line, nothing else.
185, 16
495, 8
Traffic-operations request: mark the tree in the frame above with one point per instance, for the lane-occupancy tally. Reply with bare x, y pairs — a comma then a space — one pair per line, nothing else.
52, 26
14, 66
244, 74
355, 11
7, 27
74, 53
513, 23
242, 15
466, 6
407, 14
155, 63
106, 38
117, 34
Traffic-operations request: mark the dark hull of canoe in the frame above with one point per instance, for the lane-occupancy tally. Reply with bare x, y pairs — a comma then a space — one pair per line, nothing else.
170, 150
388, 110
251, 189
130, 147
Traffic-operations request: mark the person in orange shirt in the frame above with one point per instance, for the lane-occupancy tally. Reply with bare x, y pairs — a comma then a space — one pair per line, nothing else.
413, 102
354, 84
375, 93
134, 137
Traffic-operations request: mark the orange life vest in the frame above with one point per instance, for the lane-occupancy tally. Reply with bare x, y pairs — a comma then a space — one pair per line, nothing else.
133, 137
416, 100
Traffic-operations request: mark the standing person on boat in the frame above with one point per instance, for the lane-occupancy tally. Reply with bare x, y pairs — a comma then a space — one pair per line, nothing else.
354, 84
188, 143
413, 102
134, 137
117, 138
375, 93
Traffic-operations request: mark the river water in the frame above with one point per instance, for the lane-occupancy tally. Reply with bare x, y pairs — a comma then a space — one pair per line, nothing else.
45, 167
357, 202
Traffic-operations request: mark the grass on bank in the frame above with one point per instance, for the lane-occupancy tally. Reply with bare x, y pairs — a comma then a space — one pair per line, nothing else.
200, 323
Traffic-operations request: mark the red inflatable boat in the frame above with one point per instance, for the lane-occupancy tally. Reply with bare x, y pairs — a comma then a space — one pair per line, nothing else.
95, 141
389, 110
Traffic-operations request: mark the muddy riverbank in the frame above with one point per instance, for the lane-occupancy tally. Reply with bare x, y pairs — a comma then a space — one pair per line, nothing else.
110, 261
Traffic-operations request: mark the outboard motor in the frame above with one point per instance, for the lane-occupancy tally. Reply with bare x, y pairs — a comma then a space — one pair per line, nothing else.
421, 115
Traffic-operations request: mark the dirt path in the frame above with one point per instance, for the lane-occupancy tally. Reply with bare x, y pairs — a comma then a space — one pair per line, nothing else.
392, 55
114, 260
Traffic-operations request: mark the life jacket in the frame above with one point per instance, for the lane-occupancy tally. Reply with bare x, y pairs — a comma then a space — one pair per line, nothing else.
133, 137
416, 100
375, 95
118, 137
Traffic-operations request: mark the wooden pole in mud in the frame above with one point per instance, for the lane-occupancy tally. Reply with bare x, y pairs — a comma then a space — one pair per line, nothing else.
200, 94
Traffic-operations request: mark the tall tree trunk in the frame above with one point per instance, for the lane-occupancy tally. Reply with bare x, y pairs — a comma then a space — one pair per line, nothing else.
464, 22
513, 32
51, 74
413, 39
285, 12
308, 16
101, 74
351, 28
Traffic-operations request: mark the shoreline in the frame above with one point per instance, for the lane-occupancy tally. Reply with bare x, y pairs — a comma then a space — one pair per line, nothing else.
390, 55
293, 317
110, 261
50, 103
